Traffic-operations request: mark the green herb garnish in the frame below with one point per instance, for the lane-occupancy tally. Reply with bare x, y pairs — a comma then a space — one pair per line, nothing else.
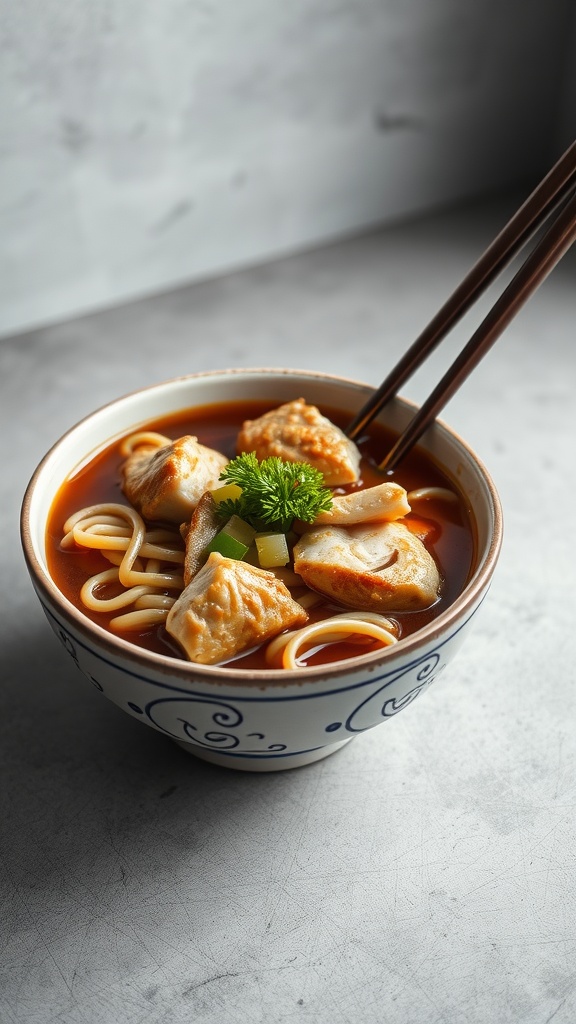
274, 492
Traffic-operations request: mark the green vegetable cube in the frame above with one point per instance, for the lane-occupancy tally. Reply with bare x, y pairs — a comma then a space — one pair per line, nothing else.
240, 530
272, 550
227, 546
228, 492
233, 540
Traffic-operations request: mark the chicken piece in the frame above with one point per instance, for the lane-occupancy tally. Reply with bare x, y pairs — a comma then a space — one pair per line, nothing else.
297, 432
378, 504
167, 483
198, 533
380, 567
230, 607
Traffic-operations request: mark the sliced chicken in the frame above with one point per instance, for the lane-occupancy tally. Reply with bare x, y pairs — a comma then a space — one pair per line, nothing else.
167, 483
380, 567
230, 607
378, 504
198, 533
298, 432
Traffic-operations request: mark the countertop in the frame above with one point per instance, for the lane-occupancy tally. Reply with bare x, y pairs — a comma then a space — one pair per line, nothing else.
424, 873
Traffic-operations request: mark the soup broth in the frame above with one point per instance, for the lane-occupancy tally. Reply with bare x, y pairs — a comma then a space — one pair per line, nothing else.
445, 526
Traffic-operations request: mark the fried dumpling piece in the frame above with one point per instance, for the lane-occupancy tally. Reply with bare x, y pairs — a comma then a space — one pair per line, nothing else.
379, 567
297, 432
382, 503
167, 483
230, 607
198, 533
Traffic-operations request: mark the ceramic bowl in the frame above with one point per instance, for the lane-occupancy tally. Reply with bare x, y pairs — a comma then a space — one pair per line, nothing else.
257, 720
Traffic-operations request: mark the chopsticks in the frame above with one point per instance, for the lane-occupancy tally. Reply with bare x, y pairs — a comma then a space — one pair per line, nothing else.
554, 191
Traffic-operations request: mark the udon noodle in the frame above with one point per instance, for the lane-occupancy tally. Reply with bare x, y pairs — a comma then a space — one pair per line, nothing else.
141, 557
336, 628
140, 577
150, 438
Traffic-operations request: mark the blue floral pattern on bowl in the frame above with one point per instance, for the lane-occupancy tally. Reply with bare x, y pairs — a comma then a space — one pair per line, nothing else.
242, 722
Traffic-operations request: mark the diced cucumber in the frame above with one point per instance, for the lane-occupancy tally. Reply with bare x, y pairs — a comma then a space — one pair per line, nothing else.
272, 550
227, 546
240, 530
234, 539
228, 492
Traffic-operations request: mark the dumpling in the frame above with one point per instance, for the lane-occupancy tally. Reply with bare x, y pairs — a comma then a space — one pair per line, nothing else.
378, 504
298, 432
198, 533
380, 567
167, 483
230, 607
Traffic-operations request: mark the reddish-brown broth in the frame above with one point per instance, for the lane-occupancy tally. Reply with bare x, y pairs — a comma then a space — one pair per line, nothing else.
450, 541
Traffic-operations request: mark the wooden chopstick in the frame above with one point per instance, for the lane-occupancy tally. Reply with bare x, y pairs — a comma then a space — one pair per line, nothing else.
552, 191
555, 243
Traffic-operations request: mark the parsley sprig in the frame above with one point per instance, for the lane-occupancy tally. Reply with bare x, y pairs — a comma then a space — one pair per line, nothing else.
274, 492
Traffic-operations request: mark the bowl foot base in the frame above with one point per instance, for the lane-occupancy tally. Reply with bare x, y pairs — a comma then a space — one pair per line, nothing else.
261, 763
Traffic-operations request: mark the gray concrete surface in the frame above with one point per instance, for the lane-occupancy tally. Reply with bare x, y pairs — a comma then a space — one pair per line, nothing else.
427, 872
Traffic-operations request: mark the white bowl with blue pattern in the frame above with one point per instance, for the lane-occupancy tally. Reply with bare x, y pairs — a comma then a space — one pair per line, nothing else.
257, 720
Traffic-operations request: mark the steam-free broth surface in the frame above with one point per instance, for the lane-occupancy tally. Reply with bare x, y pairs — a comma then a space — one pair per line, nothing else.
445, 525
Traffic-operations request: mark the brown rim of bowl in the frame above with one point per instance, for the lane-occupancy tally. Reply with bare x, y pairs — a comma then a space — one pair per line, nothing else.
114, 645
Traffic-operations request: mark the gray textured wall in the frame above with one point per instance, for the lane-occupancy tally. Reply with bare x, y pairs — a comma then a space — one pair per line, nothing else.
145, 145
